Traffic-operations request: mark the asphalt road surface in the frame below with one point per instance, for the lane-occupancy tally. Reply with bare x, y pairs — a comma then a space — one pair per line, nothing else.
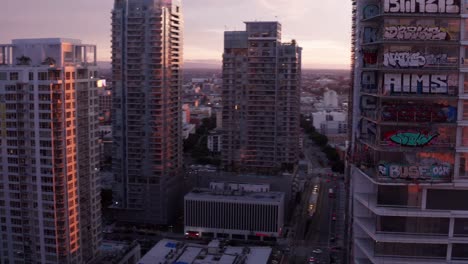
324, 229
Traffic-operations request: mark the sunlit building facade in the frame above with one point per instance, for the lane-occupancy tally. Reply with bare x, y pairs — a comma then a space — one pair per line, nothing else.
50, 210
146, 119
409, 142
260, 93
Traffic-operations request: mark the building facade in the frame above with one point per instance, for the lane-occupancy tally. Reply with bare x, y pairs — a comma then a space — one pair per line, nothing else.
330, 122
49, 182
147, 122
260, 93
214, 141
409, 177
234, 211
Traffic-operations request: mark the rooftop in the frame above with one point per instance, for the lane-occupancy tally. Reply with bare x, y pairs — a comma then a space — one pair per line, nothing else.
171, 251
114, 251
46, 41
235, 195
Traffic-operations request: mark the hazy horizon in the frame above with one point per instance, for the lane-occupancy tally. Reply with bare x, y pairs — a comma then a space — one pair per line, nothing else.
322, 29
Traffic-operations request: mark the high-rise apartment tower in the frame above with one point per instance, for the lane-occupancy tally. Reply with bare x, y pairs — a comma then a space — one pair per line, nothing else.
50, 210
409, 140
146, 119
261, 89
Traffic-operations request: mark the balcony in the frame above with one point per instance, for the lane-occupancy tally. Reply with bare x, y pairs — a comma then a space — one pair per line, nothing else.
368, 248
369, 226
386, 173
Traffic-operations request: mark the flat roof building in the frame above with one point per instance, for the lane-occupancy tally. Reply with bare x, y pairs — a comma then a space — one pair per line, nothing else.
171, 251
236, 214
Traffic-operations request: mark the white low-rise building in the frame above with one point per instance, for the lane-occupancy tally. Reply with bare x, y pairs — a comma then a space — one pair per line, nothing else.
235, 214
330, 122
171, 251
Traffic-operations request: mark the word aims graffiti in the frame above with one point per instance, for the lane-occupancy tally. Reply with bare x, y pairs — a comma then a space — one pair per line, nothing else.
421, 6
414, 172
415, 59
415, 83
411, 139
415, 33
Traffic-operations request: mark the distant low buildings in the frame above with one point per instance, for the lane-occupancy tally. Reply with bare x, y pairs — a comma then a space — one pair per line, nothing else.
200, 112
171, 251
188, 129
330, 122
116, 252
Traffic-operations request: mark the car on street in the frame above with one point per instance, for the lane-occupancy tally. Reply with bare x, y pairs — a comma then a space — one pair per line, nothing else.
317, 251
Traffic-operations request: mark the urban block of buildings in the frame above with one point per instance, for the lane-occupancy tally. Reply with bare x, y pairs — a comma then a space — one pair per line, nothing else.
409, 155
171, 251
50, 205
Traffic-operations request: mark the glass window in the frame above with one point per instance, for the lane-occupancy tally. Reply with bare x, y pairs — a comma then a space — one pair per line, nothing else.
460, 252
465, 7
410, 250
465, 110
464, 137
413, 225
465, 86
14, 76
447, 199
461, 227
42, 76
463, 169
399, 196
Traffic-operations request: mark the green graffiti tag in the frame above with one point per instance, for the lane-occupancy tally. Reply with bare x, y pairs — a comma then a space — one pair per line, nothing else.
412, 139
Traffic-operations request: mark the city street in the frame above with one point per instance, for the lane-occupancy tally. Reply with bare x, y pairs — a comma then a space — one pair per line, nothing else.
322, 232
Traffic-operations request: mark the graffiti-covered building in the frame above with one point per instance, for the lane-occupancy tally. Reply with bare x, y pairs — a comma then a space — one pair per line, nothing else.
409, 142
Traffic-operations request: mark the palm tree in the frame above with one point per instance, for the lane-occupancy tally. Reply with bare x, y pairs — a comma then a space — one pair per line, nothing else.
49, 61
23, 60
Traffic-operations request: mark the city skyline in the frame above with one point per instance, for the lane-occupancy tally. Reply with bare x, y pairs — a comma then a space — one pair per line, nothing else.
326, 47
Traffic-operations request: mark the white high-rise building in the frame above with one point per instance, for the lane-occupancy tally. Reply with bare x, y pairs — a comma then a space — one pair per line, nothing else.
330, 99
146, 118
50, 209
409, 147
